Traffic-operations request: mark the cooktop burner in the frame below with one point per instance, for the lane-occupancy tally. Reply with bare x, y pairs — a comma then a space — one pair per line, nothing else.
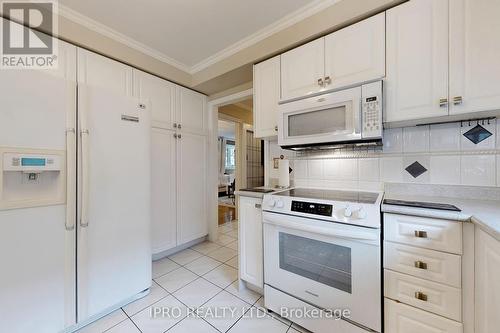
417, 204
332, 195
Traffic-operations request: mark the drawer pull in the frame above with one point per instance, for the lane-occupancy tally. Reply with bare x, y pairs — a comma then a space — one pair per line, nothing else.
420, 234
421, 296
420, 265
258, 206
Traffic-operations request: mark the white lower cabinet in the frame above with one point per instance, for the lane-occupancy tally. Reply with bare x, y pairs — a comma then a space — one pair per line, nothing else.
250, 237
487, 283
401, 318
423, 285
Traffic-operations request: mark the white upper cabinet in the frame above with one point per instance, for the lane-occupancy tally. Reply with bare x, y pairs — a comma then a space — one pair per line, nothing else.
355, 54
191, 111
416, 84
474, 55
487, 273
303, 69
266, 83
96, 70
161, 94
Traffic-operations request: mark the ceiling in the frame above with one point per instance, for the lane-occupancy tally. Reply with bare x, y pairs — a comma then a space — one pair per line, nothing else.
226, 129
185, 33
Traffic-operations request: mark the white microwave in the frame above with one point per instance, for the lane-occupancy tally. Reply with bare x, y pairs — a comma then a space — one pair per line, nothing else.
351, 115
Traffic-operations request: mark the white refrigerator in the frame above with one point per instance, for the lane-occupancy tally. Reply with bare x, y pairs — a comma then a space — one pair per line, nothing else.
74, 199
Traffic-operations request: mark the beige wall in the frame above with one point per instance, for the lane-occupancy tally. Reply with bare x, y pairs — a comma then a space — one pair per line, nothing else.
234, 111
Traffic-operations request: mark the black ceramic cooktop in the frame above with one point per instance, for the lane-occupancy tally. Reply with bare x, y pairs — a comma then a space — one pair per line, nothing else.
258, 190
418, 204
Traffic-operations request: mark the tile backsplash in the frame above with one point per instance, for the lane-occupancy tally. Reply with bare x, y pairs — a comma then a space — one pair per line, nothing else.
438, 155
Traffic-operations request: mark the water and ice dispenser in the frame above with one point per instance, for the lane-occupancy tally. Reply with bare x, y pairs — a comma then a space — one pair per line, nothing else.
31, 178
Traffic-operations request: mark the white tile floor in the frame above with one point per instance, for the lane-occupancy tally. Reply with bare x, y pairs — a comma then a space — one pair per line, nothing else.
203, 277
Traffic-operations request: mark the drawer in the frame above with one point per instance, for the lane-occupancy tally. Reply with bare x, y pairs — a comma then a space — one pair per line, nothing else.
426, 264
434, 234
401, 318
440, 299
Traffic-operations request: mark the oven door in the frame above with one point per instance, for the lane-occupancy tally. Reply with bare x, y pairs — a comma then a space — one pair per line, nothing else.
330, 265
333, 117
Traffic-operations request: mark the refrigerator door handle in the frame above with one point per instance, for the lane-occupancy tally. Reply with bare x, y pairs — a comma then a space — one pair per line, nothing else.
70, 179
84, 220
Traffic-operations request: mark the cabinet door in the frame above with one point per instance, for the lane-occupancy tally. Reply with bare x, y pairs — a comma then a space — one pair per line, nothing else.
355, 54
96, 70
417, 60
191, 187
191, 111
161, 95
474, 55
301, 68
163, 190
250, 236
487, 273
266, 81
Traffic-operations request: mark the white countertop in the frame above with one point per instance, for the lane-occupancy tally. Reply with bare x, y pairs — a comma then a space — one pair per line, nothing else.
485, 213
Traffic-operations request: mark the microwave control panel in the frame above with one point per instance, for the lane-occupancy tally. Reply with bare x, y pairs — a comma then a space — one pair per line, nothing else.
312, 208
372, 110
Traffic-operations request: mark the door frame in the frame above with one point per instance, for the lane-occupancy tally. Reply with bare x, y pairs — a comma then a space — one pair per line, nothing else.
213, 165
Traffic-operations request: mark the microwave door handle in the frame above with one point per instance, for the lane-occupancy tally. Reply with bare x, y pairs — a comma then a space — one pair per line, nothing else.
346, 234
357, 118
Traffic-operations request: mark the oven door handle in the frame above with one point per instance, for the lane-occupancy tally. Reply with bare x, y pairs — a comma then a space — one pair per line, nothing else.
292, 223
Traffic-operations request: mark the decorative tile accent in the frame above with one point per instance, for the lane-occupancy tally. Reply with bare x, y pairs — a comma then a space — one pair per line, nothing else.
477, 134
416, 169
486, 144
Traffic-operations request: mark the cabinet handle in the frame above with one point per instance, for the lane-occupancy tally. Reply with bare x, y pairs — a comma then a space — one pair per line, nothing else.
179, 136
258, 206
179, 126
175, 135
276, 128
321, 83
420, 234
443, 102
457, 100
328, 80
421, 296
421, 265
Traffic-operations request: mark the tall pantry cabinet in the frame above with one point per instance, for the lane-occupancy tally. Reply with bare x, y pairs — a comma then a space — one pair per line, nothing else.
179, 148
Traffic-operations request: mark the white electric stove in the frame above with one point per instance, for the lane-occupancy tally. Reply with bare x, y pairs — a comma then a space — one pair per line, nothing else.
322, 251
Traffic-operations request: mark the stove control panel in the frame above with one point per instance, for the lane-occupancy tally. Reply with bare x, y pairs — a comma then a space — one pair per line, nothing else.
312, 208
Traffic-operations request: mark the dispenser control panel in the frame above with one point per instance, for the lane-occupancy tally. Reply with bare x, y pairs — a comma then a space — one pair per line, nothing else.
31, 163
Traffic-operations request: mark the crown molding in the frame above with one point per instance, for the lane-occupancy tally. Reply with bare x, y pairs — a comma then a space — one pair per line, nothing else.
287, 21
102, 29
